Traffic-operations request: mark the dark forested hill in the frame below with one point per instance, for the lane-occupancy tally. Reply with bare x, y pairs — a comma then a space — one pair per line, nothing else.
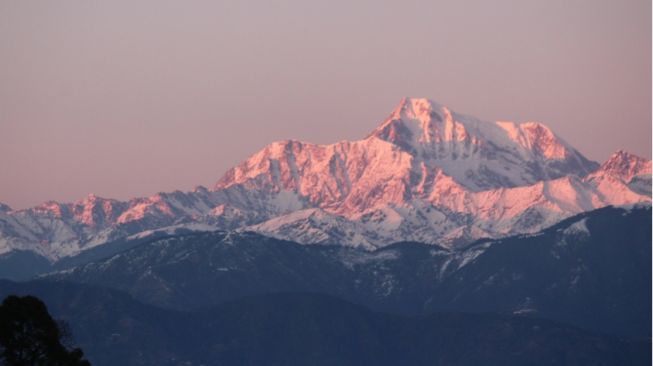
316, 329
592, 271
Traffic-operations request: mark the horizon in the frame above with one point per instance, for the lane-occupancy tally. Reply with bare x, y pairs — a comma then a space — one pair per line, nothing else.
168, 101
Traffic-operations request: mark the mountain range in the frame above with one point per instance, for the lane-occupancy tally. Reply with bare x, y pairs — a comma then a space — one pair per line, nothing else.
439, 239
426, 174
577, 293
592, 271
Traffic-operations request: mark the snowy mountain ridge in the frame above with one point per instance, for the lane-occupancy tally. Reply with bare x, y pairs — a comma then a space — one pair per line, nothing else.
425, 174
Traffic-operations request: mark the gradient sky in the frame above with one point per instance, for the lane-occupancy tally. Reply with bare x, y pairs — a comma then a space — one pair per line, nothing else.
128, 98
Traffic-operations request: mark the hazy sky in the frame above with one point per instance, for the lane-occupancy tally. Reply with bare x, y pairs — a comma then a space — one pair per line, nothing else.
128, 98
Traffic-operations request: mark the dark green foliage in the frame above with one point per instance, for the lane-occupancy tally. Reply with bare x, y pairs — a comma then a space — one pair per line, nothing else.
30, 337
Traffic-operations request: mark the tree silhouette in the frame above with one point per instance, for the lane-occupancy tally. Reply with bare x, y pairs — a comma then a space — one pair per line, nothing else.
29, 336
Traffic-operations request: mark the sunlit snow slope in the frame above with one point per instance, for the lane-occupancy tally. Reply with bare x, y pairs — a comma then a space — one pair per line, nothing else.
425, 174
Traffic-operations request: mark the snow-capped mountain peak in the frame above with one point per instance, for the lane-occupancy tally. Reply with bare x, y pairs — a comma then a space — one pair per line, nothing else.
420, 121
478, 154
624, 177
96, 211
625, 165
538, 138
426, 174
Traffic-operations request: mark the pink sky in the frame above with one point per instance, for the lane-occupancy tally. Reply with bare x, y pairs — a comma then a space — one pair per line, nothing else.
127, 98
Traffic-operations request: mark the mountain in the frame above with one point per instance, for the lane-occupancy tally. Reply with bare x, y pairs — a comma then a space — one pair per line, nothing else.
426, 174
55, 230
626, 166
304, 328
623, 176
592, 271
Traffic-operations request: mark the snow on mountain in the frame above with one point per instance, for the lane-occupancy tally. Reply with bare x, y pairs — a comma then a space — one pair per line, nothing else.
425, 174
313, 226
454, 217
477, 154
625, 166
624, 178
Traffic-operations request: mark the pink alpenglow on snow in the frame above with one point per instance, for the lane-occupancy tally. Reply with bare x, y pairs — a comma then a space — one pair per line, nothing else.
426, 174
